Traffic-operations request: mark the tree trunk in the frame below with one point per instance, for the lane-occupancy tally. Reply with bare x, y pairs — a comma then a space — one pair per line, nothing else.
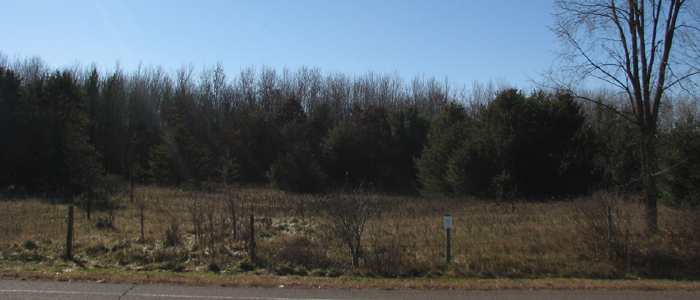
356, 257
356, 252
131, 184
88, 205
651, 190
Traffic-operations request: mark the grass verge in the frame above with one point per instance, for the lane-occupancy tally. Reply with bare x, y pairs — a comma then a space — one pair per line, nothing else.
249, 279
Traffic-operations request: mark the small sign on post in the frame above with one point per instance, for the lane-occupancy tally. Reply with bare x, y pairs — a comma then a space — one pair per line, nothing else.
447, 222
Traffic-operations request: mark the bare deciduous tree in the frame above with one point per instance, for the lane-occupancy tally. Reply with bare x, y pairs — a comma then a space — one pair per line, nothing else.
348, 217
645, 48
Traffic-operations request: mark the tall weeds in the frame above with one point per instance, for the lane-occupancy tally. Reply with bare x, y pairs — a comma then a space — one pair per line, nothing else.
375, 235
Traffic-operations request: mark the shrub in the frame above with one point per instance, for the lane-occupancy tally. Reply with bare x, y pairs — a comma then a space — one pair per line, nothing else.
348, 216
173, 234
388, 257
30, 245
104, 222
96, 249
295, 250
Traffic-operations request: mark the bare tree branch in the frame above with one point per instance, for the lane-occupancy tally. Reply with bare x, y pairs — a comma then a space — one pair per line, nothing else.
631, 45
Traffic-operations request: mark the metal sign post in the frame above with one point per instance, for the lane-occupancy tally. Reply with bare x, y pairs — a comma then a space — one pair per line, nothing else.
447, 222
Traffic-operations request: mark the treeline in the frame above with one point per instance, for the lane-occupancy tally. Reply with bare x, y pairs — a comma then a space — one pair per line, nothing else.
67, 132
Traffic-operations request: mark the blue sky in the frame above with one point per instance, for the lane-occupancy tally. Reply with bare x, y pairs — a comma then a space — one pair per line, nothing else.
465, 41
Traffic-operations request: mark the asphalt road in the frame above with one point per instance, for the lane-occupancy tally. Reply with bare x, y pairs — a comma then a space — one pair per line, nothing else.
16, 289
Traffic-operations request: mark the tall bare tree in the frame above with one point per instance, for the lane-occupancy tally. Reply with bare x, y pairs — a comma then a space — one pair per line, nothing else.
646, 48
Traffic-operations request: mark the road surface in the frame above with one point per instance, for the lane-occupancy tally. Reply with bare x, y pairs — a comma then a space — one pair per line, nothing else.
17, 289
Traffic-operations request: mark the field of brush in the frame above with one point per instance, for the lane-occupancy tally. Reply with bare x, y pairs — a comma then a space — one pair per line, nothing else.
209, 232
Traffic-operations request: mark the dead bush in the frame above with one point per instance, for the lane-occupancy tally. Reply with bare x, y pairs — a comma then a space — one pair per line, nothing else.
247, 266
348, 215
169, 254
390, 254
96, 249
173, 234
30, 245
608, 225
296, 250
214, 219
683, 237
106, 222
128, 254
684, 229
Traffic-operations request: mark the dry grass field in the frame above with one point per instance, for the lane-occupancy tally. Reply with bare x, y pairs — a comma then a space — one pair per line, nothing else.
208, 232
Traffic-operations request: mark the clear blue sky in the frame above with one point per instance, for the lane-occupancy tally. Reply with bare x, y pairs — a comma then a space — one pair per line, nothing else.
465, 40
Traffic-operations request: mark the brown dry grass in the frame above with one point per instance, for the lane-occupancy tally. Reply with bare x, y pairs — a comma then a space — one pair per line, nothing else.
405, 238
345, 282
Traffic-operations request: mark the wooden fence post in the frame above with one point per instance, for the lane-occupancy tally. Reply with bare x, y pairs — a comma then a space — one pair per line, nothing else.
142, 207
251, 247
69, 235
610, 233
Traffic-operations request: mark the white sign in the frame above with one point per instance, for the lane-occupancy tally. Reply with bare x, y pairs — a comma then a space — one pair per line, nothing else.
447, 220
